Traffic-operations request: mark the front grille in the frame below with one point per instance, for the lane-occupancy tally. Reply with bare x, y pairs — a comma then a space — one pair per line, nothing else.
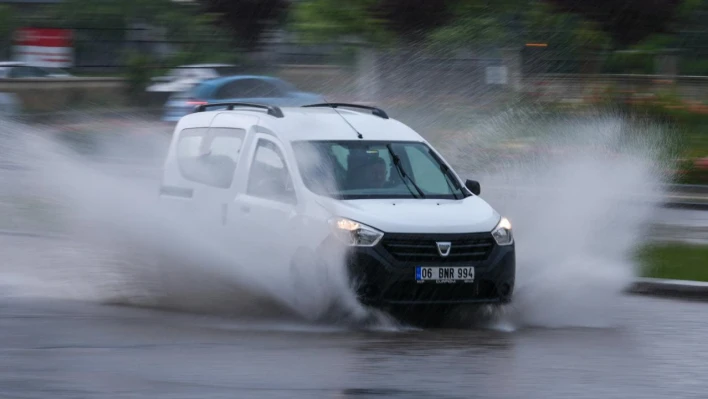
414, 248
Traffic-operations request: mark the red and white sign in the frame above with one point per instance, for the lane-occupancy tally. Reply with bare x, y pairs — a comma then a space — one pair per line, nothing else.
44, 47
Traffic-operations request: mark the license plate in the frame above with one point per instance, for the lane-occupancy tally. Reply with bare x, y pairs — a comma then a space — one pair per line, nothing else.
444, 274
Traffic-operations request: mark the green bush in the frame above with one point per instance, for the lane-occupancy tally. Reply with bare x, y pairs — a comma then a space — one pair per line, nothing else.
685, 127
693, 67
674, 261
624, 63
139, 70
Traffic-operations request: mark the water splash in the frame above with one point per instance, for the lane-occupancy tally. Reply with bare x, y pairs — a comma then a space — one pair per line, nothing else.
571, 192
580, 194
127, 249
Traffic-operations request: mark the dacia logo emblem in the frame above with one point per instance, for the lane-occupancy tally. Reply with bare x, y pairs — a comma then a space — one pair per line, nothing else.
444, 248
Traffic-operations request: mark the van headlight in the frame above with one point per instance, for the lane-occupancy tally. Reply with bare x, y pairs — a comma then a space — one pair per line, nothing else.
354, 233
502, 233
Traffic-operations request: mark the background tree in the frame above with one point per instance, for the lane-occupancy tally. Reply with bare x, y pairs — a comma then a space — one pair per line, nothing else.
7, 26
628, 21
475, 23
331, 21
449, 23
246, 20
107, 25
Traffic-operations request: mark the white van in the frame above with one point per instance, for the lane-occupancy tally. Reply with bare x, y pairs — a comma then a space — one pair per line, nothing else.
344, 184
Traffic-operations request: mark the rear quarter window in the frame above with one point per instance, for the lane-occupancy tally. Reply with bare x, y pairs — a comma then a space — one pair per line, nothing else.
209, 156
189, 142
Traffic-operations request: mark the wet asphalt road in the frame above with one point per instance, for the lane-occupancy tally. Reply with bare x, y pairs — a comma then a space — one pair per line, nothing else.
62, 349
82, 350
653, 348
679, 225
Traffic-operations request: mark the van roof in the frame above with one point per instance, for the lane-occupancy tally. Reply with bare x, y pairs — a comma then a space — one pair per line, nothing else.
319, 123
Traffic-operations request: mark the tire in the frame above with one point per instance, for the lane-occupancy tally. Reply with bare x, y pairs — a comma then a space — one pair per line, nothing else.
428, 316
326, 296
309, 276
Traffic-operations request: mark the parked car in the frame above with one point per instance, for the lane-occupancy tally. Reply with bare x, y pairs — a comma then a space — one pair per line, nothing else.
240, 88
185, 77
321, 189
16, 69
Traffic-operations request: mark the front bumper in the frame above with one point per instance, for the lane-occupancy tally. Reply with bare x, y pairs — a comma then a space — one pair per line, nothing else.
385, 274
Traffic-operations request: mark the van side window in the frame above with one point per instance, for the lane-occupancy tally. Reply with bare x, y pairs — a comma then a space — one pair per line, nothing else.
269, 176
209, 156
226, 141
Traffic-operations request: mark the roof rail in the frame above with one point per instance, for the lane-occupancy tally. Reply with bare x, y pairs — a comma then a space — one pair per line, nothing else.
374, 110
272, 109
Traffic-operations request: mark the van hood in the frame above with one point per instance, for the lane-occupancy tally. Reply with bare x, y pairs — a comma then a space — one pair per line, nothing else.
471, 215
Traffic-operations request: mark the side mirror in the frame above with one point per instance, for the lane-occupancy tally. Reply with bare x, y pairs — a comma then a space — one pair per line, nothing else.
473, 186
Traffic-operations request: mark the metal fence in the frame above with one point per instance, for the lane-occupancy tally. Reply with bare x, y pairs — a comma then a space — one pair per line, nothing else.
415, 74
393, 72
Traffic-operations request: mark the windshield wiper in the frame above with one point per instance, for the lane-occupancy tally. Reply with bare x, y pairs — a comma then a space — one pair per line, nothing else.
448, 175
402, 173
448, 179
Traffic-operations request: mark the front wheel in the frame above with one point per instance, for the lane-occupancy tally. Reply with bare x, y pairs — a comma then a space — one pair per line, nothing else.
423, 316
316, 291
463, 316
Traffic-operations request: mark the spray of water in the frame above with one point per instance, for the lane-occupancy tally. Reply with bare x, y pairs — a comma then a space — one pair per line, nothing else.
579, 193
575, 215
128, 248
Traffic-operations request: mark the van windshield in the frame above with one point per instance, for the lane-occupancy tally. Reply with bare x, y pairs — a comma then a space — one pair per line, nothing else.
375, 169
